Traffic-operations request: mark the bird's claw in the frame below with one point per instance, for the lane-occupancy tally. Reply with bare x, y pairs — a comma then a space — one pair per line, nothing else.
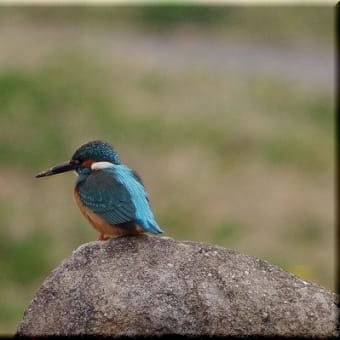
102, 238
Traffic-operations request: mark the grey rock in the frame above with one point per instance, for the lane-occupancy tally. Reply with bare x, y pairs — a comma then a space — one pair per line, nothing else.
145, 285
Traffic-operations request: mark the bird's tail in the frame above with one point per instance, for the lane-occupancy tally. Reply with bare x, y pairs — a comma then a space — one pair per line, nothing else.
150, 226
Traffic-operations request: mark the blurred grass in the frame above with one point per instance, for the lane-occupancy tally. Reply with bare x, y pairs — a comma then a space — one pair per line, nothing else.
273, 23
16, 253
33, 101
245, 161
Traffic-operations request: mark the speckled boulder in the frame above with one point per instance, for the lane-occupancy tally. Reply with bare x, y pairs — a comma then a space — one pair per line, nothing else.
144, 285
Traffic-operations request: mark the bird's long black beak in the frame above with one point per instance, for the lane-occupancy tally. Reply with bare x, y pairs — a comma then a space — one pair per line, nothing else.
58, 169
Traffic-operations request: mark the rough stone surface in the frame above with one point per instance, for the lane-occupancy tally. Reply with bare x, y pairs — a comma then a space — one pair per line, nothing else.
144, 285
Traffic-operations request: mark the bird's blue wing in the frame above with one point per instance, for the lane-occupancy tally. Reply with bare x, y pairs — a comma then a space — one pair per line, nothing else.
107, 197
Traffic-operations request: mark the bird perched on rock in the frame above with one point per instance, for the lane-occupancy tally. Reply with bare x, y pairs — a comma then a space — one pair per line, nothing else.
109, 194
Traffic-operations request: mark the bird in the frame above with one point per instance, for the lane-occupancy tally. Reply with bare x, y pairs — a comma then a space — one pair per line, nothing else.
109, 194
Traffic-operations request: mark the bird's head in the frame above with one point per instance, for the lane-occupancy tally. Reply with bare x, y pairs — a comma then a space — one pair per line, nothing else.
84, 157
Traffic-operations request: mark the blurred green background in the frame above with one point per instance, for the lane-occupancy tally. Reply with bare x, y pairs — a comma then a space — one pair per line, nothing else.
227, 113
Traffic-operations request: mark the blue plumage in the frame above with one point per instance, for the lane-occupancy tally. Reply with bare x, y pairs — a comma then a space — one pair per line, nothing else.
118, 196
98, 151
110, 195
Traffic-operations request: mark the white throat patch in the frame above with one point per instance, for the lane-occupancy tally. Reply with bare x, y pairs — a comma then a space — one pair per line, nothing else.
101, 165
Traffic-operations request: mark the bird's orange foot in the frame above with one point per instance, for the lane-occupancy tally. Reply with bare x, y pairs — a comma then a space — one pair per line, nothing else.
102, 238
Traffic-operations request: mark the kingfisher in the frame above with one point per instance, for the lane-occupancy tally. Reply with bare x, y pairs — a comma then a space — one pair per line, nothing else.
109, 194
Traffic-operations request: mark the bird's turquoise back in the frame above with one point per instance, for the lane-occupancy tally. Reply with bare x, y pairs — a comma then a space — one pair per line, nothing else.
117, 195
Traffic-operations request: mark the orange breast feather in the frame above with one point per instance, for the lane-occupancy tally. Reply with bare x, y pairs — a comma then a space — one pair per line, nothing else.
96, 221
